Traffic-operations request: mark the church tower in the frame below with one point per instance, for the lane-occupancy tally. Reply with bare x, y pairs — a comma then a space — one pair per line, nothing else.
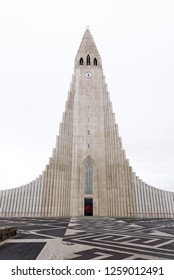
88, 185
88, 173
97, 153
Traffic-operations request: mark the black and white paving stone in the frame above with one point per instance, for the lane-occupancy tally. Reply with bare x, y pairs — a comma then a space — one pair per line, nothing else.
89, 238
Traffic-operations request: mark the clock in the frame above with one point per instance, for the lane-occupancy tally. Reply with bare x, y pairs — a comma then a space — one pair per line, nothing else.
88, 75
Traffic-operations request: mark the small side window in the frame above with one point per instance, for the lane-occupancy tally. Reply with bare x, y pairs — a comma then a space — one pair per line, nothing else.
95, 61
81, 61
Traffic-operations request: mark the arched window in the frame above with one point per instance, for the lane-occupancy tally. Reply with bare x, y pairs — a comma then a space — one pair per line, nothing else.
95, 61
88, 60
81, 61
88, 178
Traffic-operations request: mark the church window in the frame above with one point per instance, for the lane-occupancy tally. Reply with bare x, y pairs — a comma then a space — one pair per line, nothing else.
81, 61
88, 178
88, 60
95, 61
88, 131
88, 145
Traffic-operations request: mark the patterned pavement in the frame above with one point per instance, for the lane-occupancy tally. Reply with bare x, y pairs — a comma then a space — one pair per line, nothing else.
89, 238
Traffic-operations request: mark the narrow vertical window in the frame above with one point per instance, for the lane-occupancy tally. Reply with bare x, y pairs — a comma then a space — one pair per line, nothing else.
88, 132
88, 178
88, 60
81, 61
95, 61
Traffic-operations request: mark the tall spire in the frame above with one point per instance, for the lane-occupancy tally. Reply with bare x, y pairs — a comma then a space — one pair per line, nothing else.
87, 46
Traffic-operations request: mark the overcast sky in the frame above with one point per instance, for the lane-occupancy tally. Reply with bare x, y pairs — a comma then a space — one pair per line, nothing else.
38, 44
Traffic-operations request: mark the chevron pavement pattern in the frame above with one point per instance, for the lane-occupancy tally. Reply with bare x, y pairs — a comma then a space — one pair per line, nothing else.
86, 238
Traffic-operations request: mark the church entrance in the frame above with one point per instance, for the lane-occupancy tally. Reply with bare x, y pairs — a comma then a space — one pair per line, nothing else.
88, 207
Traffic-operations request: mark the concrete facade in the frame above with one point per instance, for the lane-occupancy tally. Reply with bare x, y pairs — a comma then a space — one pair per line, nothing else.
88, 173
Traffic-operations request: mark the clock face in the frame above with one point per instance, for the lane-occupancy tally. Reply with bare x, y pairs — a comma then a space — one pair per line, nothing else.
88, 75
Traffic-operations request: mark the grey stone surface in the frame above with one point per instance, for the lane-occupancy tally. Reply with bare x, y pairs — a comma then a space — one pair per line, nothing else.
90, 238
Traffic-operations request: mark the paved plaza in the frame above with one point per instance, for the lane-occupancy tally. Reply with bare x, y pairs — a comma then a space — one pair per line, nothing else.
88, 238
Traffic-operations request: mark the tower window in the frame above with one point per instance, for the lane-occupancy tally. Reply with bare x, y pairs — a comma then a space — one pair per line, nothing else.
88, 178
88, 131
95, 61
88, 146
81, 61
88, 60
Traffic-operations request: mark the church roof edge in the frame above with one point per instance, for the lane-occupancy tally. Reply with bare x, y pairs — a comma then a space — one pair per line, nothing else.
87, 45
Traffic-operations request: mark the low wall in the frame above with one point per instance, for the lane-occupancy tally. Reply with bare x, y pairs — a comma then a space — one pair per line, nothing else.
7, 232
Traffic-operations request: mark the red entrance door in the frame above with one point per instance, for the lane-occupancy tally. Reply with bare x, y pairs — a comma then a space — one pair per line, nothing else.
88, 207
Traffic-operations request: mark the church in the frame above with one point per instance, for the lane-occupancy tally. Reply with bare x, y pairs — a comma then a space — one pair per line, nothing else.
88, 173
